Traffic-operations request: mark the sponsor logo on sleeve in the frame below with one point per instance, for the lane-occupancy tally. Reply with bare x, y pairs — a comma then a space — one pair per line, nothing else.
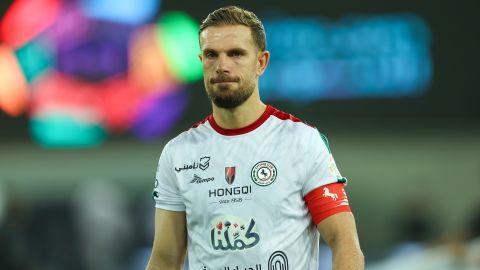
231, 233
264, 173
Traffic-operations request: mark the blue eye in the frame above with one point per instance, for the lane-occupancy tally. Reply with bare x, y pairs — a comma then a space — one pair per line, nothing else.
236, 54
209, 55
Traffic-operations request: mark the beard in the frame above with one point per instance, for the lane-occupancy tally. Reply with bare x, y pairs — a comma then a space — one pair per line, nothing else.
226, 97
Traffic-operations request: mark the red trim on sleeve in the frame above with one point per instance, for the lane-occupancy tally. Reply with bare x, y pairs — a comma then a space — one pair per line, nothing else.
286, 116
326, 201
200, 123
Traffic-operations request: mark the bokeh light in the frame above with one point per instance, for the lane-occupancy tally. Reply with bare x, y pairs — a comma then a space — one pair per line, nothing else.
115, 91
148, 68
14, 95
158, 112
95, 70
114, 65
101, 54
125, 11
59, 130
35, 58
384, 56
181, 48
25, 19
66, 113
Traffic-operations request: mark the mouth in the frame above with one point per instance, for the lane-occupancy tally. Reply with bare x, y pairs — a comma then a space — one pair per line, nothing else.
224, 80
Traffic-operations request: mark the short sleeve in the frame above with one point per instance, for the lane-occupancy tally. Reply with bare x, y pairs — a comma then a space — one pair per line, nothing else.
321, 168
166, 192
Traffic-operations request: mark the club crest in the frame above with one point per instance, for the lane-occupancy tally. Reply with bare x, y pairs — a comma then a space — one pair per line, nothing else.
230, 174
264, 173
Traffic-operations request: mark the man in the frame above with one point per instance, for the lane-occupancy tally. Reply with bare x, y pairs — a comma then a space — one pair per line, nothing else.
250, 187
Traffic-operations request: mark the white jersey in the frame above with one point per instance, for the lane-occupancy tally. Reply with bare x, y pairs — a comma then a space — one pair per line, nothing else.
243, 192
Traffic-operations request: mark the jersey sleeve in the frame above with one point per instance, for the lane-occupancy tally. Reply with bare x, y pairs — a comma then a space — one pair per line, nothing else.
166, 192
321, 168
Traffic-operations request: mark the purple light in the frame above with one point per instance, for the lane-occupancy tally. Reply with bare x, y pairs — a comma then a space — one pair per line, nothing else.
101, 55
71, 25
157, 113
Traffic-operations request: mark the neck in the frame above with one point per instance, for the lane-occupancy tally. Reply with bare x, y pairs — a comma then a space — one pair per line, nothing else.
240, 116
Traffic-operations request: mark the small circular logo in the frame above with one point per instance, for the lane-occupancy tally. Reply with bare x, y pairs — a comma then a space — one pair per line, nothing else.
264, 173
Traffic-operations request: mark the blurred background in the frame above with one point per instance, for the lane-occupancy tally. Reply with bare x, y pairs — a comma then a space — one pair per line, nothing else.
91, 90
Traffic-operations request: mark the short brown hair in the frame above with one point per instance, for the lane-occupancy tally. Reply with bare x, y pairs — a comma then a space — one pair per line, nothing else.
233, 15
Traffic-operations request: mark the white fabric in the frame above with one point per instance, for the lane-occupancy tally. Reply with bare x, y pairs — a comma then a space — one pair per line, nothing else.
256, 227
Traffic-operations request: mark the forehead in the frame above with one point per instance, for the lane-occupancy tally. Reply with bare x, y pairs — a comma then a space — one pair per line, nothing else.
225, 37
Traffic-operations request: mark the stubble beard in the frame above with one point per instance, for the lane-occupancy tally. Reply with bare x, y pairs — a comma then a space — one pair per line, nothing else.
228, 98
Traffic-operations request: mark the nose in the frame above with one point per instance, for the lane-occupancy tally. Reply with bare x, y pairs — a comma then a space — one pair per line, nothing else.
222, 64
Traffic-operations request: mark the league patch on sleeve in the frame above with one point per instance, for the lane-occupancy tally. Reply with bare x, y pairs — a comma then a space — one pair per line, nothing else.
333, 169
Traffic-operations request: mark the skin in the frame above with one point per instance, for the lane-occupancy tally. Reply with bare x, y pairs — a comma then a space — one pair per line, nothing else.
230, 50
232, 65
170, 241
340, 233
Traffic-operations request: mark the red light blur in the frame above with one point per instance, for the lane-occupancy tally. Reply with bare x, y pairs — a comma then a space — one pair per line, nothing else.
27, 18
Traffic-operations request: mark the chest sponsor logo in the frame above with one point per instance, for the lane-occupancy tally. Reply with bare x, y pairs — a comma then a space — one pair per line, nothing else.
230, 175
264, 173
231, 233
230, 195
203, 164
256, 267
199, 180
278, 261
222, 192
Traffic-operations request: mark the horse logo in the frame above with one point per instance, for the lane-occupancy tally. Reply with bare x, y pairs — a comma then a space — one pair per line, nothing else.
326, 193
264, 173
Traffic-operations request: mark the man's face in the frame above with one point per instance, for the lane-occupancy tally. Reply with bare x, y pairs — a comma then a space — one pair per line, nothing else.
230, 64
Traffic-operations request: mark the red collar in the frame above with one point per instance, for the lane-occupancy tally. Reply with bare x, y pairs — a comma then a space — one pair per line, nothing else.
239, 131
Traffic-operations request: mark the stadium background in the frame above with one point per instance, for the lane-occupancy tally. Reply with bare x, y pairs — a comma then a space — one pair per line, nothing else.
81, 198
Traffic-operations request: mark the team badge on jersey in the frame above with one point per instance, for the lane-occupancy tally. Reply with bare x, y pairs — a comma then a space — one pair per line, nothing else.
264, 173
230, 174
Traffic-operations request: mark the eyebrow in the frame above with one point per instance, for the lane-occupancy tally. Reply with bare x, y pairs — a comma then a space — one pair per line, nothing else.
207, 50
241, 50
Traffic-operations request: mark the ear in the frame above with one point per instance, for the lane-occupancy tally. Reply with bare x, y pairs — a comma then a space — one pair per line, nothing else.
200, 56
262, 62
